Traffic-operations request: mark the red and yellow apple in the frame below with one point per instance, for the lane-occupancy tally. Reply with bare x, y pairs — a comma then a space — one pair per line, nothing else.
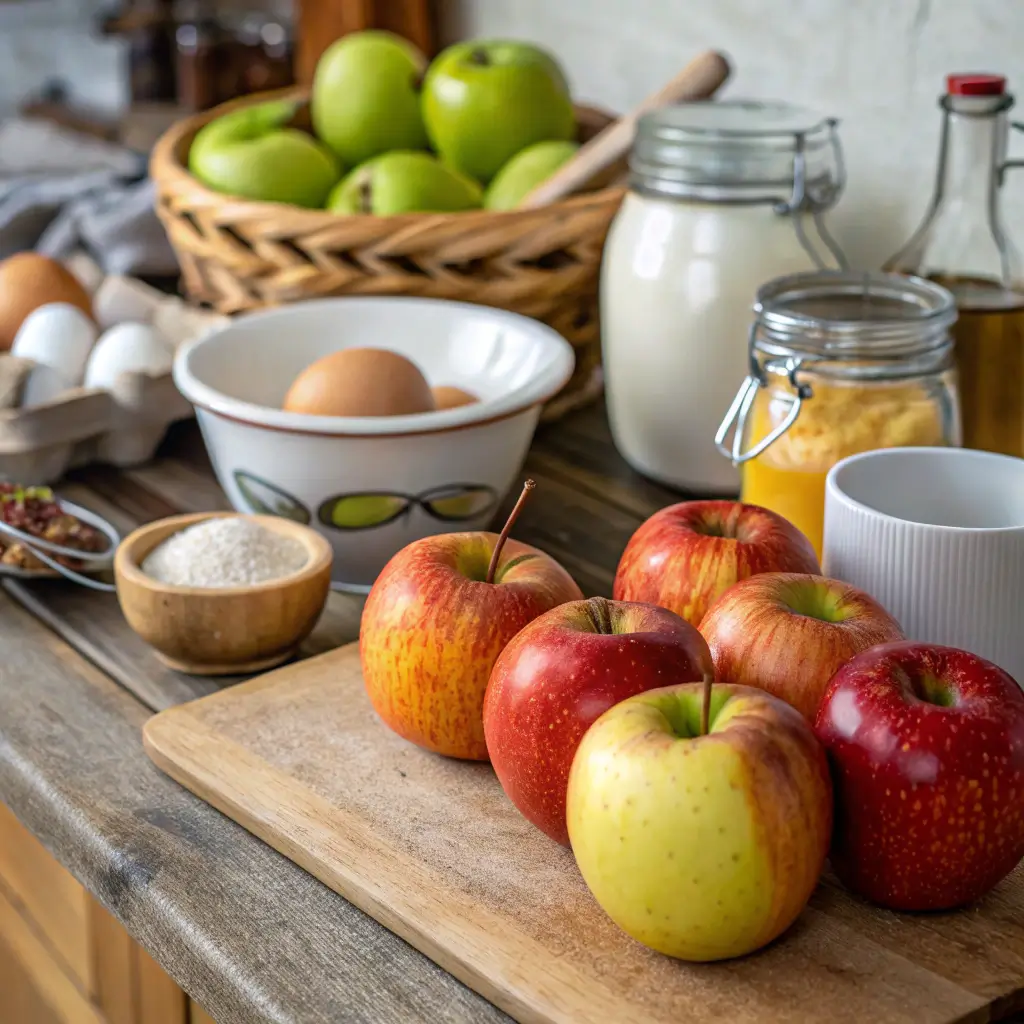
788, 633
927, 752
685, 556
702, 845
437, 618
561, 673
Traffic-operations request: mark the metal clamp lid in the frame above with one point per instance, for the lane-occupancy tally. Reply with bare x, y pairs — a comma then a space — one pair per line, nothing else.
740, 152
815, 201
854, 327
736, 418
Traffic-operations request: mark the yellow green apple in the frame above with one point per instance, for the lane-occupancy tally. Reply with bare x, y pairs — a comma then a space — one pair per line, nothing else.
702, 842
404, 182
366, 96
525, 171
485, 101
253, 153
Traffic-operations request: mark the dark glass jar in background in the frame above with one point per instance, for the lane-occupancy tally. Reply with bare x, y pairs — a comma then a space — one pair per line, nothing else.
151, 64
262, 53
205, 70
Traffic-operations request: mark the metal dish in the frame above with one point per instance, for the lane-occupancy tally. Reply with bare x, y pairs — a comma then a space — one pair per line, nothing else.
44, 550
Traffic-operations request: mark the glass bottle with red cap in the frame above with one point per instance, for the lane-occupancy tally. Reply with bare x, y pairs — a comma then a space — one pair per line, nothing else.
963, 244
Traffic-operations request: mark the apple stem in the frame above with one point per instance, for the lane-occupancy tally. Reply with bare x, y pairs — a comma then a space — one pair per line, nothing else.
600, 615
705, 704
479, 57
365, 197
506, 529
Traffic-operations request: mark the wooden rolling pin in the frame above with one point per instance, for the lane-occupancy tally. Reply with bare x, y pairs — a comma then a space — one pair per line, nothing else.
699, 80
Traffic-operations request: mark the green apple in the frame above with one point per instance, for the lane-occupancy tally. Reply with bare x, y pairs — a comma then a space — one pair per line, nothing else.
702, 845
366, 96
254, 154
525, 171
485, 101
404, 182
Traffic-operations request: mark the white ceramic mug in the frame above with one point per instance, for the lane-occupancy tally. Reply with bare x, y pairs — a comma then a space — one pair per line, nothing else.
937, 536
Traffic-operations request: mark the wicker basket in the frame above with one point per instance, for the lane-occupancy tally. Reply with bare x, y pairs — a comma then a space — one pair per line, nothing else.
239, 255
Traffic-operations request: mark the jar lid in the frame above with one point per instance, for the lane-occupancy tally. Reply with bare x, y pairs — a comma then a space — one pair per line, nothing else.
728, 144
975, 85
844, 316
844, 326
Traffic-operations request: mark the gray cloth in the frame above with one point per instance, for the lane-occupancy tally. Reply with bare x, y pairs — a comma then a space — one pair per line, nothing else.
61, 192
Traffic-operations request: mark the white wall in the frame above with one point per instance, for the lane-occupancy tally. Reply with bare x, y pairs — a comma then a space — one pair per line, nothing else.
42, 40
879, 65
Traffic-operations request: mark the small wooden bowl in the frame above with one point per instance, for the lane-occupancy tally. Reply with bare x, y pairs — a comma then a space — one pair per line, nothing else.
213, 631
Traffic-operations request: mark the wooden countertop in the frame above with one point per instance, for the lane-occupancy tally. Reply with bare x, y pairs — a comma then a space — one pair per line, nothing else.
245, 932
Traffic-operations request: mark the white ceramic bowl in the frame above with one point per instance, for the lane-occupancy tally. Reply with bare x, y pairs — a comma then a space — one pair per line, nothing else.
372, 485
937, 536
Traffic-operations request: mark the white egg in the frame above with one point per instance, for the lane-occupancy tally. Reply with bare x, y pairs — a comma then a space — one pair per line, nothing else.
58, 336
43, 385
127, 348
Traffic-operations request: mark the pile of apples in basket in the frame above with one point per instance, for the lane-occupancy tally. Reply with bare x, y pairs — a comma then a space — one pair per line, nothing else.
708, 738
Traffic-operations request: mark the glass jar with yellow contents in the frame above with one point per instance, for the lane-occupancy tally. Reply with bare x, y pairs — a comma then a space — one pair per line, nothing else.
840, 363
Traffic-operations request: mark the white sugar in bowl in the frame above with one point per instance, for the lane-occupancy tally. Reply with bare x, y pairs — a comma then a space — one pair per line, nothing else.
371, 485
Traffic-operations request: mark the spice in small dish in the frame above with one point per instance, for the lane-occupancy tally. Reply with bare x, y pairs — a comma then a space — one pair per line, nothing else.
37, 512
228, 551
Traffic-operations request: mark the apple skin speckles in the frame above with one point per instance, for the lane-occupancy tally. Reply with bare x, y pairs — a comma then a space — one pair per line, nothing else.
559, 675
431, 633
687, 555
729, 838
929, 795
762, 633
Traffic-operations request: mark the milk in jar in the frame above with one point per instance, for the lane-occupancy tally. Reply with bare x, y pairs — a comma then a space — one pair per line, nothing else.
723, 196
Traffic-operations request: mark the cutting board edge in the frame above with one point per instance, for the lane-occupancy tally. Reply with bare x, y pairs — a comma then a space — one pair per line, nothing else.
179, 767
151, 739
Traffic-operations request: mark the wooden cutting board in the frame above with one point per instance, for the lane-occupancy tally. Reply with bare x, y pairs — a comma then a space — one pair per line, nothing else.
433, 850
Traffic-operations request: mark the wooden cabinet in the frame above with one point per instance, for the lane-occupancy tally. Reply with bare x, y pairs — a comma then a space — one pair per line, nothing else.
320, 22
66, 960
47, 895
35, 983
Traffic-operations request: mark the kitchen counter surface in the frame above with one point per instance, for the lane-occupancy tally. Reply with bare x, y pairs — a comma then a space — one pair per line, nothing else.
250, 936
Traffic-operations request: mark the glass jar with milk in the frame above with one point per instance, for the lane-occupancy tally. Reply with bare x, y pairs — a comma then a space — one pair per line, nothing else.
723, 196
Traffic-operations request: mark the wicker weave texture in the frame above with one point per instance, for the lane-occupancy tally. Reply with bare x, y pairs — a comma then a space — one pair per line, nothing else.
238, 255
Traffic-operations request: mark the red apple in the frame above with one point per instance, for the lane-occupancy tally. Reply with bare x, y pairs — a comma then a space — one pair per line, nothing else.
560, 674
437, 618
927, 752
685, 556
788, 633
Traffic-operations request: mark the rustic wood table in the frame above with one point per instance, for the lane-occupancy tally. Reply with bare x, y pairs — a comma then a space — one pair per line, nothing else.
250, 936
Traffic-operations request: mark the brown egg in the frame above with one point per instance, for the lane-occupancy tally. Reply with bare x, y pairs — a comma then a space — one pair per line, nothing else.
447, 396
28, 281
360, 382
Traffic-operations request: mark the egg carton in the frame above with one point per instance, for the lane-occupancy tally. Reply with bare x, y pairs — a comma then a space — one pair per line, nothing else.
123, 424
